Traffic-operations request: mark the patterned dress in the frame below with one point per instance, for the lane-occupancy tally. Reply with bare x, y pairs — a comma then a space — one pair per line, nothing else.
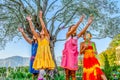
91, 66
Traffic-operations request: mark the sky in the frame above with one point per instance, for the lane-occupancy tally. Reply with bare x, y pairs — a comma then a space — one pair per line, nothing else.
22, 48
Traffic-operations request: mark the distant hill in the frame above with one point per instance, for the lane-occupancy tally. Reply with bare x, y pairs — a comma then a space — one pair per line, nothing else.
14, 61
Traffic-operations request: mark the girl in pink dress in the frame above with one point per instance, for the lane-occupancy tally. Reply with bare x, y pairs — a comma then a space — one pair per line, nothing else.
70, 52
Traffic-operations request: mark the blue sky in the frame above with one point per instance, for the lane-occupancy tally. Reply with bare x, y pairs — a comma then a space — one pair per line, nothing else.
22, 48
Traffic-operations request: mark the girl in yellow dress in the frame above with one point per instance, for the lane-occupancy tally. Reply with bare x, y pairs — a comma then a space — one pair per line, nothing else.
43, 59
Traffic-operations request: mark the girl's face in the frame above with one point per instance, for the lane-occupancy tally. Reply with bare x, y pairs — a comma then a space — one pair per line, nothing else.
35, 37
87, 36
72, 29
42, 32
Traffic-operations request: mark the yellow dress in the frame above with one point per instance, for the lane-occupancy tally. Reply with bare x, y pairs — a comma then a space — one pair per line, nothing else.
43, 58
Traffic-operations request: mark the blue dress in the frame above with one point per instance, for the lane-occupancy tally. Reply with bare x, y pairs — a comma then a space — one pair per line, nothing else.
33, 54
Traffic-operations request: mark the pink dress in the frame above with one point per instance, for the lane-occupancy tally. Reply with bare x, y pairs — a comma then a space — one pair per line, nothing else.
70, 54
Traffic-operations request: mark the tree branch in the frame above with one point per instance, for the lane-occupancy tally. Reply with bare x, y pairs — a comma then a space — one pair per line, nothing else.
39, 7
64, 15
22, 4
14, 1
30, 6
14, 11
22, 16
98, 37
23, 7
80, 28
58, 30
62, 8
52, 26
61, 40
56, 13
50, 7
45, 4
54, 17
7, 6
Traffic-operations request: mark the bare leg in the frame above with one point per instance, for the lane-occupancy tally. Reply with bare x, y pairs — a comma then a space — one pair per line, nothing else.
41, 74
73, 75
103, 77
67, 73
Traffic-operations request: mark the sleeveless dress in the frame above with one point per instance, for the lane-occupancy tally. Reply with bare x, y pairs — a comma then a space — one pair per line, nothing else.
70, 54
91, 66
33, 50
43, 58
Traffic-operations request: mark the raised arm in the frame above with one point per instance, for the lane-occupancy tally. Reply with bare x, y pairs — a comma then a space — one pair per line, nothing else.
24, 35
31, 26
90, 20
43, 24
81, 19
82, 48
75, 26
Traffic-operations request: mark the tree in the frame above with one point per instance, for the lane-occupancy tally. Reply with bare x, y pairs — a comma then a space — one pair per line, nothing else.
58, 15
106, 13
107, 66
110, 51
115, 42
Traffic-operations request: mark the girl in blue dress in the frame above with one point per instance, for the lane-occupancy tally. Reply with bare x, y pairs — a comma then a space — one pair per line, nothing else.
34, 44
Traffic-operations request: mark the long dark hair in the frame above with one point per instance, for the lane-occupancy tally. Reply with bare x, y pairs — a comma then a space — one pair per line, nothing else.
88, 32
35, 39
49, 34
71, 27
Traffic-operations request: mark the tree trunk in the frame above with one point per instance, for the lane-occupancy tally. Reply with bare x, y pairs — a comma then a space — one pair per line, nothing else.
52, 43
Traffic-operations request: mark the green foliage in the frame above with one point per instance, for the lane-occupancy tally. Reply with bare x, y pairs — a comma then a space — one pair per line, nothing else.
59, 77
115, 73
108, 58
107, 68
17, 74
59, 68
111, 51
115, 42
